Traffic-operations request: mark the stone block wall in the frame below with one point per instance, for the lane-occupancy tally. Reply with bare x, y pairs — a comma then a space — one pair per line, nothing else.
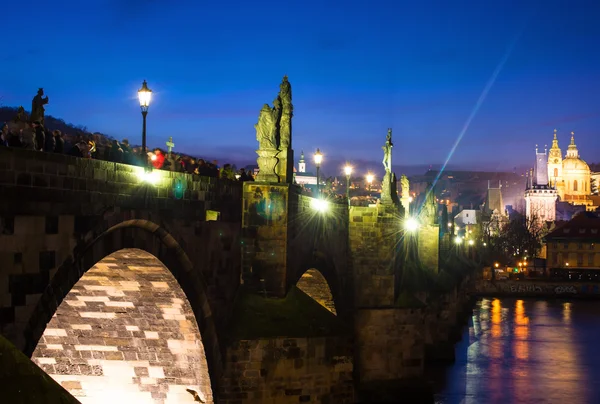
288, 370
126, 324
390, 344
53, 206
319, 239
28, 176
264, 236
31, 249
284, 236
36, 246
428, 247
374, 243
441, 321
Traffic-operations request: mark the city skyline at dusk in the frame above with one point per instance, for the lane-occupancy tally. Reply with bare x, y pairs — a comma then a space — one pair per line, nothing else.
355, 71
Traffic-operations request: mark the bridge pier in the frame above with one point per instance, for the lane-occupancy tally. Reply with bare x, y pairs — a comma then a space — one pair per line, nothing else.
389, 338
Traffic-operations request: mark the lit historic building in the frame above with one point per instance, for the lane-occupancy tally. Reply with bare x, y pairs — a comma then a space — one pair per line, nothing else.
540, 196
575, 246
301, 176
570, 175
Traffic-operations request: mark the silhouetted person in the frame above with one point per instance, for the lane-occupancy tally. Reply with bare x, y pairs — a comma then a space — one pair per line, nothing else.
59, 142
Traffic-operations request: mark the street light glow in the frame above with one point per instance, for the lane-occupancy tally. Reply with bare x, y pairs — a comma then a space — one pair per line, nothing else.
150, 177
411, 224
319, 205
370, 178
145, 96
458, 240
318, 158
471, 242
348, 170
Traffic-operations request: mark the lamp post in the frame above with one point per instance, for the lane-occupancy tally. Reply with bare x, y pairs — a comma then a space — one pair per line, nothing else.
348, 172
318, 159
144, 95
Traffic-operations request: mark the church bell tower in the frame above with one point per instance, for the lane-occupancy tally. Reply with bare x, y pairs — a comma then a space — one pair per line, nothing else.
301, 163
555, 167
540, 197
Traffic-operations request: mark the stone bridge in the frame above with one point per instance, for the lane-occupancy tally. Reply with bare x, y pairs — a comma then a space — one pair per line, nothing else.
172, 285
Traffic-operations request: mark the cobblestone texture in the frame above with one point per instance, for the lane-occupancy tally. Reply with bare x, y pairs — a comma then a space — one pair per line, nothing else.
126, 332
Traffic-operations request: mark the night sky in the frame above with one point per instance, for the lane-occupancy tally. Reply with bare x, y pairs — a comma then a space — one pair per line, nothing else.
356, 68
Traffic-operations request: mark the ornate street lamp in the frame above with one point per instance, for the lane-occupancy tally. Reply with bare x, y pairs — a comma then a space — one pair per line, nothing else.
318, 159
348, 172
144, 95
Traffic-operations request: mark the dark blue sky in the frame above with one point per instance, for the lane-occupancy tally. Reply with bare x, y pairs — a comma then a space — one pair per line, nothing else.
356, 68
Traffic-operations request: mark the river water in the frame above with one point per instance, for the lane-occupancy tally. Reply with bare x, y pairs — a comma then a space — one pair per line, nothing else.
526, 351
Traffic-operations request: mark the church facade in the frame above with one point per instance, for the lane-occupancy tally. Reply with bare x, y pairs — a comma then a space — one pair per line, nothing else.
570, 176
301, 177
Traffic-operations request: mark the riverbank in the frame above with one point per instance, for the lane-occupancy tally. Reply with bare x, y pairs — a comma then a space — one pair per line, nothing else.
536, 288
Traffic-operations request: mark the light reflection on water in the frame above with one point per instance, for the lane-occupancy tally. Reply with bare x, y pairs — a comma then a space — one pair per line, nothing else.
527, 351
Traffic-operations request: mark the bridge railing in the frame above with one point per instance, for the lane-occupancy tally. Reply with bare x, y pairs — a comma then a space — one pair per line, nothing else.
29, 168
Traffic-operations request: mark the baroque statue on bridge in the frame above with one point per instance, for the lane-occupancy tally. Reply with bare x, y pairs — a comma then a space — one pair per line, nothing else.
274, 135
37, 107
404, 184
405, 200
387, 152
388, 188
266, 130
429, 210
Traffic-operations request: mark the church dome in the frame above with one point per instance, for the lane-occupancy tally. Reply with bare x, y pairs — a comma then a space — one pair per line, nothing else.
575, 164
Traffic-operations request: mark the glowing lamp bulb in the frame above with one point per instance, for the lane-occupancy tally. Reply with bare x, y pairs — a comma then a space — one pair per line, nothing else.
318, 157
144, 95
411, 224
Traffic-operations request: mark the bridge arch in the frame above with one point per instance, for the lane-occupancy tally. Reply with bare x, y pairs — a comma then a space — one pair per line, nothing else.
313, 283
318, 277
153, 241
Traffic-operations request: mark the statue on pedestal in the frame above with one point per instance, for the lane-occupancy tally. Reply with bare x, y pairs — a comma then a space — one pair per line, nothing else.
387, 152
37, 107
266, 129
285, 96
404, 184
386, 184
266, 134
274, 135
429, 210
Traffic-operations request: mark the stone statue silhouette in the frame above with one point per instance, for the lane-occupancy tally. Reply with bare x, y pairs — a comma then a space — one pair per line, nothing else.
21, 115
37, 106
387, 152
429, 211
266, 129
287, 112
405, 186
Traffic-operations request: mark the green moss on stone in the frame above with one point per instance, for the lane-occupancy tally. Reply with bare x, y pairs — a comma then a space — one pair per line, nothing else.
407, 300
296, 315
22, 381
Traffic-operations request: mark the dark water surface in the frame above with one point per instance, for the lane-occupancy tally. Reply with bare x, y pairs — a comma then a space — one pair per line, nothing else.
526, 351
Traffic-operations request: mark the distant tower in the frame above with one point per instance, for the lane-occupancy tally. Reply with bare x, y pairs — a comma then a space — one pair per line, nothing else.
540, 197
301, 163
555, 167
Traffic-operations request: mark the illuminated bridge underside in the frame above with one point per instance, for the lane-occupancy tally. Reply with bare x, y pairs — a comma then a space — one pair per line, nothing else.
126, 333
314, 284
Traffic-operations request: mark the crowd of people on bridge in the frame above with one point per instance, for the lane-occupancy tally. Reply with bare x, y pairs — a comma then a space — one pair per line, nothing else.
34, 136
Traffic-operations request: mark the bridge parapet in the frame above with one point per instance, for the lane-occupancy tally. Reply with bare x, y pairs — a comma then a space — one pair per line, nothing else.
30, 176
